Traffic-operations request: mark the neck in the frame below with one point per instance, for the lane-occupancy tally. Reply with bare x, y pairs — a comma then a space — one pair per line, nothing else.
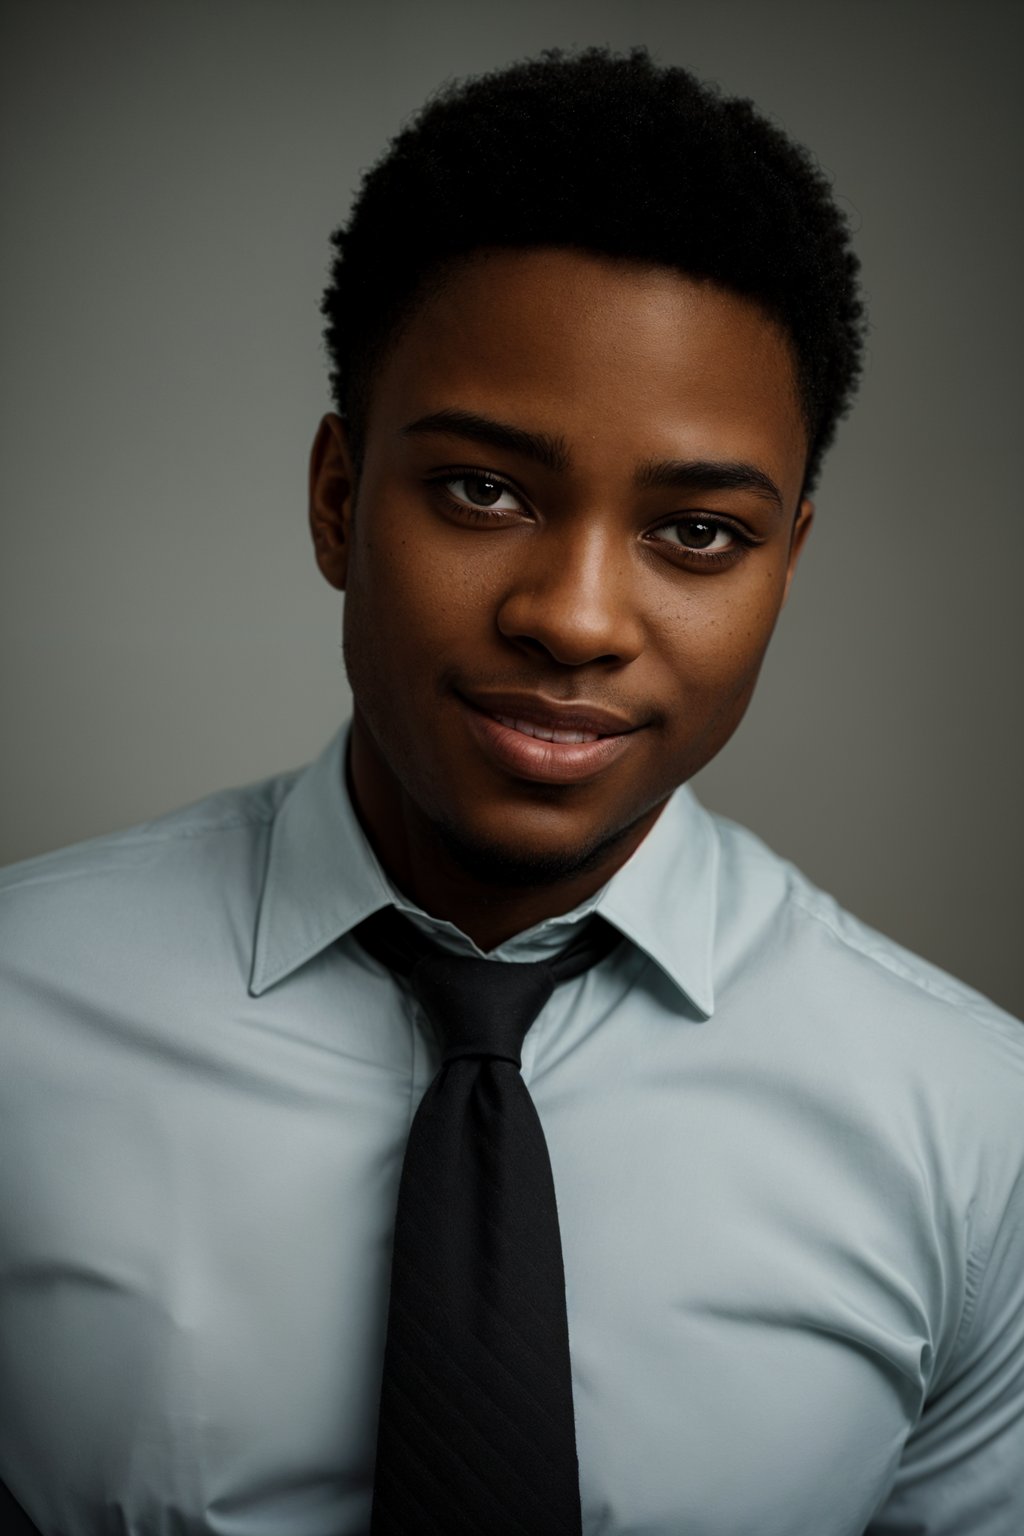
421, 861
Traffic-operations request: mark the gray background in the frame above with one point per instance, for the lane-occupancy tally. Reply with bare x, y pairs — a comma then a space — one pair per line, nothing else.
171, 172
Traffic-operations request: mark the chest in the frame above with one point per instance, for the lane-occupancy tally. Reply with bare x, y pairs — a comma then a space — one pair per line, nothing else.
194, 1288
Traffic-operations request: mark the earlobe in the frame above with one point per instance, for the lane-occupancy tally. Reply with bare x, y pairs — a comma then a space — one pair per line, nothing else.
331, 494
801, 528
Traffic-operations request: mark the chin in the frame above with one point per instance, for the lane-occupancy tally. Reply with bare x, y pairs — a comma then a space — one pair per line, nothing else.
513, 863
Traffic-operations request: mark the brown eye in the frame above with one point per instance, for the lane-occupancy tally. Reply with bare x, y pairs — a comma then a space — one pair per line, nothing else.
481, 490
697, 535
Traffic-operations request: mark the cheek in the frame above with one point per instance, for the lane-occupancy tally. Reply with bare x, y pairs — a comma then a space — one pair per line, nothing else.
718, 638
405, 601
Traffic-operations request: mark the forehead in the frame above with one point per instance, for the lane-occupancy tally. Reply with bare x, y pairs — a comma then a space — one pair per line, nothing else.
618, 359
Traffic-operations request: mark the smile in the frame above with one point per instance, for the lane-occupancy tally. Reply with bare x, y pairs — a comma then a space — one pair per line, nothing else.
545, 733
547, 742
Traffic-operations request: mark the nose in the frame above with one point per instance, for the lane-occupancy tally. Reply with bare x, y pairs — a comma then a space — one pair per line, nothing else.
574, 599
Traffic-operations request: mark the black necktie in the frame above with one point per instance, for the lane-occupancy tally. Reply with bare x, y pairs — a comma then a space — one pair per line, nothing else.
476, 1434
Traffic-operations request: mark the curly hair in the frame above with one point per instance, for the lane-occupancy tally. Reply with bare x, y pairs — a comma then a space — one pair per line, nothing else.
612, 154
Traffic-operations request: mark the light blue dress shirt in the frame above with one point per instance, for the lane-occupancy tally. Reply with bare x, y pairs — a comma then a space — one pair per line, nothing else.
788, 1159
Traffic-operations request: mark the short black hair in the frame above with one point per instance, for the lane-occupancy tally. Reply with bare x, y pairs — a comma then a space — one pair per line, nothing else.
612, 154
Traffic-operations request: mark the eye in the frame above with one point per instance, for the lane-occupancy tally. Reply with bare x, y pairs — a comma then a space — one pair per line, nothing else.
483, 492
703, 537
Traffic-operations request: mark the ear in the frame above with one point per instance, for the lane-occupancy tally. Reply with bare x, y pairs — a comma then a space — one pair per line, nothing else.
331, 498
801, 528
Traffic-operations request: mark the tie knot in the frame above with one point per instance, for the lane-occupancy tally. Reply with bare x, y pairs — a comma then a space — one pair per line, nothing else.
478, 1007
481, 1007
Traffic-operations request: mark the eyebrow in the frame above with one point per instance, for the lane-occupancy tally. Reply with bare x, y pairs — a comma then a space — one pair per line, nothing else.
709, 475
553, 454
539, 446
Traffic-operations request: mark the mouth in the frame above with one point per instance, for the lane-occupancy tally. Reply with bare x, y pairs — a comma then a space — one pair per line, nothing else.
547, 741
546, 733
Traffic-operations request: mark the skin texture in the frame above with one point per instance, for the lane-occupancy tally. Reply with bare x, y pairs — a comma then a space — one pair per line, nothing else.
480, 580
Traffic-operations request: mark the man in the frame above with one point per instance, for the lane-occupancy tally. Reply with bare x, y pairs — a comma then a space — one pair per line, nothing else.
756, 1190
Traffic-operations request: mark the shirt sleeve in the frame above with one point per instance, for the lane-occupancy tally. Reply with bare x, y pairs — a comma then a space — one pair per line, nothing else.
962, 1470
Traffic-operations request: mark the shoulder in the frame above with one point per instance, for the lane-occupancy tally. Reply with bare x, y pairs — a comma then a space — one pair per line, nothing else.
836, 991
187, 868
815, 941
913, 1077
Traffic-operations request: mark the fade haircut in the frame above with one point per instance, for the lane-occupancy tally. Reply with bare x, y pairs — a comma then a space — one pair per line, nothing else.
611, 154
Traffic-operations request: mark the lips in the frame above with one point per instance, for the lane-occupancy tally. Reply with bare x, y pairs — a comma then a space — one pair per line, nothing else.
546, 733
544, 740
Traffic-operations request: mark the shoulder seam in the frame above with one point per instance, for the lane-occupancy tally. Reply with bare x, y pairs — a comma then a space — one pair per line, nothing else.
892, 963
801, 892
137, 837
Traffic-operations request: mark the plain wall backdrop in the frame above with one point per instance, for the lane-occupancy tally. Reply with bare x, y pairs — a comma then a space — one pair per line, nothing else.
170, 176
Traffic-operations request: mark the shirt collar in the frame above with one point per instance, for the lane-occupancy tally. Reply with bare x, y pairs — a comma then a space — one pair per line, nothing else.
664, 898
323, 878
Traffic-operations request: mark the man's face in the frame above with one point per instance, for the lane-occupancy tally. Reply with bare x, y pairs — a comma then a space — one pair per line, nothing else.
578, 513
